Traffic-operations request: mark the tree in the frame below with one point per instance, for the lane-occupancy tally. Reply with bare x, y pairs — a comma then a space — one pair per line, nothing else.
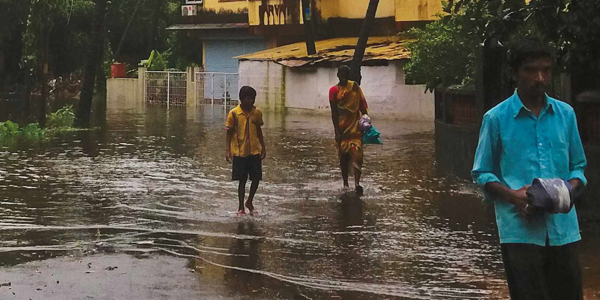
574, 27
41, 20
96, 50
12, 24
359, 51
441, 52
445, 50
137, 6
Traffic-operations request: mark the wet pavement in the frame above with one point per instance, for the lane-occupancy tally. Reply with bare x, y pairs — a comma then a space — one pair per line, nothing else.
151, 192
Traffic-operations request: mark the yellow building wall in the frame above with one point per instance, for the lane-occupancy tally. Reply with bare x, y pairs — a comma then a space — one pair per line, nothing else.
226, 5
354, 9
253, 12
402, 10
417, 10
328, 8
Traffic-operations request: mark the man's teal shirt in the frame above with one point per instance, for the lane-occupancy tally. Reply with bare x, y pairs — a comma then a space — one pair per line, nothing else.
515, 147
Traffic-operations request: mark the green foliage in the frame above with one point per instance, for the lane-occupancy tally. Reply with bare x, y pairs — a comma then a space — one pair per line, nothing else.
574, 26
32, 131
148, 29
446, 48
8, 129
185, 50
62, 118
156, 61
9, 132
443, 52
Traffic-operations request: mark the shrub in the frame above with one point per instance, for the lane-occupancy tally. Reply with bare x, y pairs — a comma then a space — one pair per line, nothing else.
62, 118
8, 129
32, 131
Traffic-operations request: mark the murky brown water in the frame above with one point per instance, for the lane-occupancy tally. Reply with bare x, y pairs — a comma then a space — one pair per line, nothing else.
157, 181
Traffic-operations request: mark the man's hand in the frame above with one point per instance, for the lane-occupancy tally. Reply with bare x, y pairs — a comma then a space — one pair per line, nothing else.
228, 157
263, 153
519, 199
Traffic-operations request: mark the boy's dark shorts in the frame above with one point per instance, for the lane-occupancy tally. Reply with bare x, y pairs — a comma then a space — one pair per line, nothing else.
244, 166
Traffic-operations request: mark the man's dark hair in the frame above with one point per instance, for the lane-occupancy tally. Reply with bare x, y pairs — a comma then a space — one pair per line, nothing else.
529, 48
344, 69
247, 91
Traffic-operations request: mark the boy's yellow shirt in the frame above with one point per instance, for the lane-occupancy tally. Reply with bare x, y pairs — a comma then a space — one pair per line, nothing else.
245, 126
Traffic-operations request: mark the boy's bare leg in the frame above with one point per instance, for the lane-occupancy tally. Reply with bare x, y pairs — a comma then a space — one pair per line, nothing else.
344, 164
241, 194
253, 189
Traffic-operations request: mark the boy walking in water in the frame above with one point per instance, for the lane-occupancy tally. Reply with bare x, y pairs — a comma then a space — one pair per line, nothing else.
245, 146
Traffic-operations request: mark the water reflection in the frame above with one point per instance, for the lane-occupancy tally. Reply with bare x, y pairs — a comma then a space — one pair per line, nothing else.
246, 255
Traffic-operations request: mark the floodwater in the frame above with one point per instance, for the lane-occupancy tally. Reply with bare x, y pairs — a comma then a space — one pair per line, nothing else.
154, 183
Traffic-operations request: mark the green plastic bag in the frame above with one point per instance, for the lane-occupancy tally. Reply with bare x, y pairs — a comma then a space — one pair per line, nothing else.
372, 136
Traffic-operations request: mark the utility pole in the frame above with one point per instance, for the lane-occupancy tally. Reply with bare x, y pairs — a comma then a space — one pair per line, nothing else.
359, 51
308, 30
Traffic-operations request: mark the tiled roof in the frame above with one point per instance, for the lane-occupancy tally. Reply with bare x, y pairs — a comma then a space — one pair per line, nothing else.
334, 50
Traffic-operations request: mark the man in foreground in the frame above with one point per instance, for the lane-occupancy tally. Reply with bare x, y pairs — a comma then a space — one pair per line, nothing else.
531, 135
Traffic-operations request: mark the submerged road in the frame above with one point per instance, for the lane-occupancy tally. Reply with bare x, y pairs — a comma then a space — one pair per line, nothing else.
144, 209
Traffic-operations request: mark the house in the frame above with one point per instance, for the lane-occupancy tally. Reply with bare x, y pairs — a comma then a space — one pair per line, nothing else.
286, 78
224, 30
230, 28
233, 28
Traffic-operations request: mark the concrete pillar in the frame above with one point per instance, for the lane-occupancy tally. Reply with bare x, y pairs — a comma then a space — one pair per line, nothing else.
191, 87
142, 85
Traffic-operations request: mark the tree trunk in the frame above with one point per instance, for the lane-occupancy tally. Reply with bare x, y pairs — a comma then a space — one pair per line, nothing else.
308, 30
359, 52
44, 78
84, 111
101, 97
1, 63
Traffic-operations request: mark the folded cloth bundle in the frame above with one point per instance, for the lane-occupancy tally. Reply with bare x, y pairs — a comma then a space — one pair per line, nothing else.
550, 195
364, 124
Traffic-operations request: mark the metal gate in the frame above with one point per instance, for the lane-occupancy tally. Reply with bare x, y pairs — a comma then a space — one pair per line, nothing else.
217, 88
166, 88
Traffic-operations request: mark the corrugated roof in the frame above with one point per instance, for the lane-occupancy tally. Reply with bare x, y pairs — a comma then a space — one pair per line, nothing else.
338, 50
208, 26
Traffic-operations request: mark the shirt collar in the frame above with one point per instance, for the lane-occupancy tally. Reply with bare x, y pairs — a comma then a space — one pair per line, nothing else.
517, 106
240, 111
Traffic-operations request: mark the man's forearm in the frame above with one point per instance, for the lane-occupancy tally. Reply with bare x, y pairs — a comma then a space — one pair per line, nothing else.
499, 190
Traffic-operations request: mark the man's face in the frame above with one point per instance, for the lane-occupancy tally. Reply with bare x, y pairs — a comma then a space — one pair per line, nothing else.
534, 76
247, 102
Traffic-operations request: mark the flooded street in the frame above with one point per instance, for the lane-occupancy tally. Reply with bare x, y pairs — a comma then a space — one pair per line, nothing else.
155, 185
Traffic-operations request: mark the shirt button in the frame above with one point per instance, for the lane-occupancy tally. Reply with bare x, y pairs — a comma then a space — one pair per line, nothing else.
543, 167
540, 144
